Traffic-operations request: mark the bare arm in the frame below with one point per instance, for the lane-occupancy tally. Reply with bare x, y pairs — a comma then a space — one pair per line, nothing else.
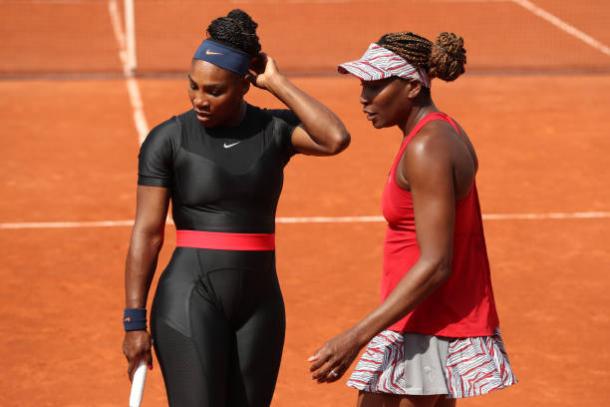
322, 132
146, 242
429, 171
428, 168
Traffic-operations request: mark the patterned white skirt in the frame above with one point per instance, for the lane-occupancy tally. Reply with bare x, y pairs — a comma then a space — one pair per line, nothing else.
415, 364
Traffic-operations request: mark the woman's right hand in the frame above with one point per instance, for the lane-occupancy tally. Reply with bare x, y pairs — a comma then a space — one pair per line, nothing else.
137, 347
263, 71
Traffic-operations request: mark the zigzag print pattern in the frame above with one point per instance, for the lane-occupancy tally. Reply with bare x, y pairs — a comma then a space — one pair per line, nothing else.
380, 63
474, 366
380, 368
477, 366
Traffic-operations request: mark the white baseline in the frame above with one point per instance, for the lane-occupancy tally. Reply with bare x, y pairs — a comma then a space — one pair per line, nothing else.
308, 220
563, 26
127, 61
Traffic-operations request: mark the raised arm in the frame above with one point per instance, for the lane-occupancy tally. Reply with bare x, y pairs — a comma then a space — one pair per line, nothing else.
429, 171
146, 242
322, 132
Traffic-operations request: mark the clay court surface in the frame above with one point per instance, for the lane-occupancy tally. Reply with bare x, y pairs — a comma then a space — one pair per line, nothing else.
537, 111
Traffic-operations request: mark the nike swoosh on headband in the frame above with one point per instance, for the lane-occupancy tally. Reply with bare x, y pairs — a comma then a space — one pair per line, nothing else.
225, 145
223, 56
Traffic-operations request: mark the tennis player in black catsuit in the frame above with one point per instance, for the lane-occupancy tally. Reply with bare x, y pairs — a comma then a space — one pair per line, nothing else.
218, 316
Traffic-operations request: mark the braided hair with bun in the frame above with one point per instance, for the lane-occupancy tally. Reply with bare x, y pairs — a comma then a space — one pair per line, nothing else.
236, 30
444, 59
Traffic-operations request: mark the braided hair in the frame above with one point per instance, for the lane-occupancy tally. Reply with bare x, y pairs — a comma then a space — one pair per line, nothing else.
444, 59
236, 30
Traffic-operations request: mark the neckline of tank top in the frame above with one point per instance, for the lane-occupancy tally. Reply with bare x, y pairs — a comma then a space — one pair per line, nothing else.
414, 131
423, 121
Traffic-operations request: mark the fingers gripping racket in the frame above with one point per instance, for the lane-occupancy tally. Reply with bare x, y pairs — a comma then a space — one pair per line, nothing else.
137, 385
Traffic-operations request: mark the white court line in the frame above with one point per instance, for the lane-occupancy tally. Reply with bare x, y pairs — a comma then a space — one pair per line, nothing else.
133, 89
44, 1
358, 1
468, 1
562, 25
309, 220
545, 216
290, 1
66, 225
269, 1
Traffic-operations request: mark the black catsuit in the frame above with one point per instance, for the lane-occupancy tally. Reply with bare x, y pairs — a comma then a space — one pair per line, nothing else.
218, 315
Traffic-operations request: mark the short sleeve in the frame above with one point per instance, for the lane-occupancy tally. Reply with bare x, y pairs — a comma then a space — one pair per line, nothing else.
155, 161
285, 123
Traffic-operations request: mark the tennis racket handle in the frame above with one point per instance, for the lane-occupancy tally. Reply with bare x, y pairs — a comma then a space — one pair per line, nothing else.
137, 385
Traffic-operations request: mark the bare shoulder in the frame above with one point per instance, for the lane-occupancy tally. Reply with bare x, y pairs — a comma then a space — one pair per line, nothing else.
467, 143
427, 158
434, 140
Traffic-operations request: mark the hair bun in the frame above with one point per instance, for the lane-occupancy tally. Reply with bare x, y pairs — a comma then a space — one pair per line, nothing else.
237, 30
448, 57
244, 20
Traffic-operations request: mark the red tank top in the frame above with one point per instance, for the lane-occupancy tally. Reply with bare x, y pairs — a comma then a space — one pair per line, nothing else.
464, 305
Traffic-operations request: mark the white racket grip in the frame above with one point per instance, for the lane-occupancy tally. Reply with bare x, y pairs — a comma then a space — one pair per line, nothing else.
137, 385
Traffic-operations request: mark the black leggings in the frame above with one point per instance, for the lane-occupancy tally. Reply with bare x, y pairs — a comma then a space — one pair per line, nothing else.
218, 328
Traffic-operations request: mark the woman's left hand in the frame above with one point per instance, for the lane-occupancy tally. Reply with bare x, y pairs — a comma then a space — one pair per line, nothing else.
333, 359
263, 71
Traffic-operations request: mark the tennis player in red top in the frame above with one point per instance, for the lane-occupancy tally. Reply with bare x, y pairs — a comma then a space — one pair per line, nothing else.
435, 336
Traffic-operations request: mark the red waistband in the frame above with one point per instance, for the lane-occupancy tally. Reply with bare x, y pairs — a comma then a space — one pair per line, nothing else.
225, 241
